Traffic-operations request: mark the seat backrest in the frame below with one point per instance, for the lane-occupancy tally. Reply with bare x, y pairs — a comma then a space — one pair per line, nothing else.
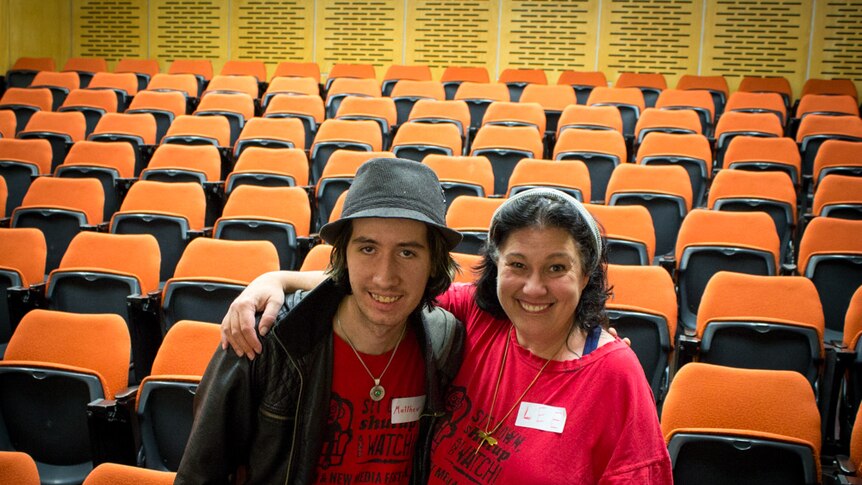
836, 153
198, 158
577, 140
443, 135
186, 349
742, 122
213, 127
743, 101
282, 129
149, 67
741, 184
67, 80
240, 261
4, 194
116, 155
666, 180
413, 73
646, 289
86, 64
354, 86
200, 67
378, 108
311, 105
790, 300
141, 125
659, 119
582, 78
70, 123
627, 222
291, 161
529, 76
83, 195
345, 163
233, 84
748, 149
89, 98
239, 103
293, 86
683, 98
469, 213
711, 83
812, 125
363, 131
714, 399
853, 324
775, 84
39, 98
36, 152
358, 71
317, 258
509, 137
419, 89
18, 468
641, 80
24, 250
463, 73
693, 145
99, 343
297, 69
184, 83
475, 170
617, 96
749, 230
257, 69
827, 104
550, 97
500, 112
829, 86
184, 199
441, 110
125, 81
34, 64
8, 124
826, 235
590, 117
837, 189
483, 91
128, 254
572, 174
173, 102
289, 204
116, 474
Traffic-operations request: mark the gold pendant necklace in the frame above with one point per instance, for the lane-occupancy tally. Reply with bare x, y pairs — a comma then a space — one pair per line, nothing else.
486, 435
377, 391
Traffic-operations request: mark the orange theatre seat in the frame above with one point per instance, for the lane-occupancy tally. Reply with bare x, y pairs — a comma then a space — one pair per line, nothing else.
112, 164
650, 84
815, 130
357, 135
60, 84
238, 108
769, 192
185, 84
569, 176
202, 69
516, 114
453, 76
450, 111
291, 86
724, 425
317, 258
415, 141
462, 175
92, 103
17, 467
116, 474
830, 255
124, 85
590, 118
233, 84
308, 109
678, 122
764, 155
505, 146
21, 161
700, 102
664, 191
757, 103
407, 93
253, 69
601, 150
396, 73
689, 151
143, 69
55, 364
85, 68
60, 129
280, 215
210, 274
8, 124
164, 106
716, 85
60, 208
630, 102
712, 241
629, 231
349, 71
471, 216
184, 163
839, 196
338, 175
199, 130
836, 87
24, 102
553, 100
297, 70
518, 79
25, 69
735, 123
827, 104
643, 308
269, 167
271, 133
467, 267
582, 82
379, 110
761, 322
344, 87
139, 130
478, 97
166, 397
22, 263
852, 336
780, 85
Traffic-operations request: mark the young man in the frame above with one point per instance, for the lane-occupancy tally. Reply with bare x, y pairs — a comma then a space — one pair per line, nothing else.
349, 380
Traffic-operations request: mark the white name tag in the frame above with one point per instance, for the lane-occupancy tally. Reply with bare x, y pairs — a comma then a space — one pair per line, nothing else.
407, 409
541, 417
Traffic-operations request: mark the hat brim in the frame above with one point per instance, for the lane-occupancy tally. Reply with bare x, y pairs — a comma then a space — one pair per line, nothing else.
330, 231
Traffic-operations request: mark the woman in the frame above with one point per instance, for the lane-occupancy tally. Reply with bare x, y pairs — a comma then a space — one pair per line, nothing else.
545, 394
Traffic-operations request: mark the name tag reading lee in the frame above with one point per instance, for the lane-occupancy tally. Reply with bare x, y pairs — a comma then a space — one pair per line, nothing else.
541, 417
407, 409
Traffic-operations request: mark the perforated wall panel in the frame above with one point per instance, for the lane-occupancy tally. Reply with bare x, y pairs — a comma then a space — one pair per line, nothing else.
112, 29
757, 38
653, 36
359, 32
188, 29
838, 41
272, 31
553, 35
442, 33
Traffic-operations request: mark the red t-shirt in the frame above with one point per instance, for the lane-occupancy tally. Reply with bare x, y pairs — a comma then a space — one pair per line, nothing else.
361, 443
586, 421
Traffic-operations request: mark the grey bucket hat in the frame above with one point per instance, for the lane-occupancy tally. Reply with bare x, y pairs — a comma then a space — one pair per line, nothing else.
395, 188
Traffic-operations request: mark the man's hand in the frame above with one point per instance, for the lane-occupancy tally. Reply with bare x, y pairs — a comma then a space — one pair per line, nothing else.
264, 294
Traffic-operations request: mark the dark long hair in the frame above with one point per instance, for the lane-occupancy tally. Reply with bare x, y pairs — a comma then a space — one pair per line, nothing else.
442, 265
542, 211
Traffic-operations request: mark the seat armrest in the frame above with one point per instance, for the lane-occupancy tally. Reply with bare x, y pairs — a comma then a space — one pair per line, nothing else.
845, 466
113, 429
787, 269
146, 333
687, 348
669, 265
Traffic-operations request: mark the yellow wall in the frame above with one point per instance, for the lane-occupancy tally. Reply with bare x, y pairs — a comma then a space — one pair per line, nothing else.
727, 37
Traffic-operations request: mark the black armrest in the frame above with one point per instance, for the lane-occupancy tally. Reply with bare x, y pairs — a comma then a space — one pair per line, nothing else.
146, 331
787, 269
113, 428
687, 348
669, 264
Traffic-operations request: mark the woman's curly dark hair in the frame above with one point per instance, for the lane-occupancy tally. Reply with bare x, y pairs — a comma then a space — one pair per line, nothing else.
542, 211
443, 267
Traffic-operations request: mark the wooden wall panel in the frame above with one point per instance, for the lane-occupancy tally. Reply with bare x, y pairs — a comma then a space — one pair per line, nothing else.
189, 29
837, 45
41, 29
359, 32
443, 33
111, 29
272, 31
553, 35
757, 37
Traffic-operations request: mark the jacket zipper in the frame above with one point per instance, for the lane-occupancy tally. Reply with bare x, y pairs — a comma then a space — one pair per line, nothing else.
295, 420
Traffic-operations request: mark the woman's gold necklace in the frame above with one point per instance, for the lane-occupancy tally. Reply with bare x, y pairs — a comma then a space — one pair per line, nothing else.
485, 436
377, 391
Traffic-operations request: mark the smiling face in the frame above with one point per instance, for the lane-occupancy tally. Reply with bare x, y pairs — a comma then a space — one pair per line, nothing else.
389, 265
540, 278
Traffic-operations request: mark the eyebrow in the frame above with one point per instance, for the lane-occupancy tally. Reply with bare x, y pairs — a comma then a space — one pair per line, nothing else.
550, 256
405, 244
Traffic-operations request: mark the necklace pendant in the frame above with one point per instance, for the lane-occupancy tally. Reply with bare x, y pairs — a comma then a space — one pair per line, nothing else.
377, 393
485, 437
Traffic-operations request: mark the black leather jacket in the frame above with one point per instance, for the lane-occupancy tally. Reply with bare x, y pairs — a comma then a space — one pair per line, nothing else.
268, 415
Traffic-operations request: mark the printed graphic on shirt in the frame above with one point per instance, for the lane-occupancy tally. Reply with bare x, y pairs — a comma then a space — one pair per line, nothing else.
338, 432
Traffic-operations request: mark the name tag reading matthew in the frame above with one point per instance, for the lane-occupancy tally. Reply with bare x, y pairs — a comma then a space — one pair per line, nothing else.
407, 409
541, 417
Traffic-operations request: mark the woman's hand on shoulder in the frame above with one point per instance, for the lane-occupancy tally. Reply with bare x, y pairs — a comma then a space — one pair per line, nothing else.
264, 294
610, 335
